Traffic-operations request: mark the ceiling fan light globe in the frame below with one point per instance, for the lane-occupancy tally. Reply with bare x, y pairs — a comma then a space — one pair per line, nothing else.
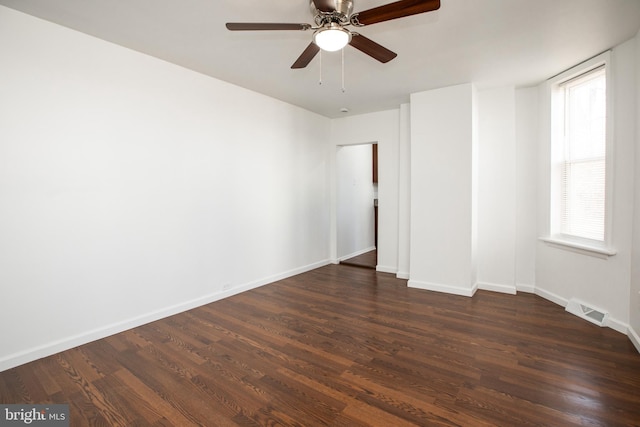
332, 39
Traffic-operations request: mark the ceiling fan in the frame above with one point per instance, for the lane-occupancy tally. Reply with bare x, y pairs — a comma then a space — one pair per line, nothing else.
331, 17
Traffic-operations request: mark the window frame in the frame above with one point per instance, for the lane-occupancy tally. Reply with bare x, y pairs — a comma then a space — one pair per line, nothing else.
601, 249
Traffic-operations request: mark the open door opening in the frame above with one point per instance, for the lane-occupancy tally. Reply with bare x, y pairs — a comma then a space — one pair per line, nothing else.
357, 205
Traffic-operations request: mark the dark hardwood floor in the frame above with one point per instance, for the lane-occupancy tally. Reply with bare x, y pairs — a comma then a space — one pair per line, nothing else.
345, 346
365, 260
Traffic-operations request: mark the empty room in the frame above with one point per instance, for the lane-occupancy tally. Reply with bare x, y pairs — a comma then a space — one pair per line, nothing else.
188, 189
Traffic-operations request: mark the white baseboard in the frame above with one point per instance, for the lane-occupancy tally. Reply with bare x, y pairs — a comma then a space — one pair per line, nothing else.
611, 322
402, 275
355, 254
634, 337
448, 289
494, 287
617, 325
54, 347
523, 287
551, 297
386, 269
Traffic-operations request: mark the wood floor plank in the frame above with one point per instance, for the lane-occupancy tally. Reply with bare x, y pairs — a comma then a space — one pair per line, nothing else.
29, 384
150, 400
346, 346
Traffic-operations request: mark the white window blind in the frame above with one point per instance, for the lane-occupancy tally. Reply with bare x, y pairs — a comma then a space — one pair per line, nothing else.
584, 166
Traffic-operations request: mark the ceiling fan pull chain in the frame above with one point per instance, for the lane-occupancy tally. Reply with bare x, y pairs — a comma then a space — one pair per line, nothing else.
343, 90
320, 81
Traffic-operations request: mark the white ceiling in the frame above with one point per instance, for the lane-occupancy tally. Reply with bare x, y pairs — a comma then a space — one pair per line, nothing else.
488, 42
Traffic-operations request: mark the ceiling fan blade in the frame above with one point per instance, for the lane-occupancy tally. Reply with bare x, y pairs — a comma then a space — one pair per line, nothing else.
258, 26
309, 53
371, 48
395, 10
325, 5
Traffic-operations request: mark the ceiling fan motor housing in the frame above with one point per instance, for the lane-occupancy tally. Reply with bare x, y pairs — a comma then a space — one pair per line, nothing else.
333, 10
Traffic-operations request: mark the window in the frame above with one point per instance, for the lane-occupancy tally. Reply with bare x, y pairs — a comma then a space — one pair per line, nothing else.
583, 168
580, 196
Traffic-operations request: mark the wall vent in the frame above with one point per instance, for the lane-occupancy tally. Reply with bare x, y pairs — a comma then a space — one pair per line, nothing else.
587, 312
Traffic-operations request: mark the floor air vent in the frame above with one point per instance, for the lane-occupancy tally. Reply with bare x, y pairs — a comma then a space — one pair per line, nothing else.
587, 312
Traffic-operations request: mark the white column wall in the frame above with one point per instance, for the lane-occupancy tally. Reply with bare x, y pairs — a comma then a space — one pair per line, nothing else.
404, 192
443, 190
497, 189
526, 187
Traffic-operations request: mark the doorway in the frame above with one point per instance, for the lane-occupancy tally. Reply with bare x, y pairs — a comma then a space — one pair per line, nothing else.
357, 194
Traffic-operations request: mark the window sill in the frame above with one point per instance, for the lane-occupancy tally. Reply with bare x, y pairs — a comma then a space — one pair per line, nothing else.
597, 251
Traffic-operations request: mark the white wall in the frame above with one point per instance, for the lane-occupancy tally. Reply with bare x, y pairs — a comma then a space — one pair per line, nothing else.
404, 193
131, 188
381, 127
355, 209
561, 274
526, 187
634, 297
497, 189
443, 190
